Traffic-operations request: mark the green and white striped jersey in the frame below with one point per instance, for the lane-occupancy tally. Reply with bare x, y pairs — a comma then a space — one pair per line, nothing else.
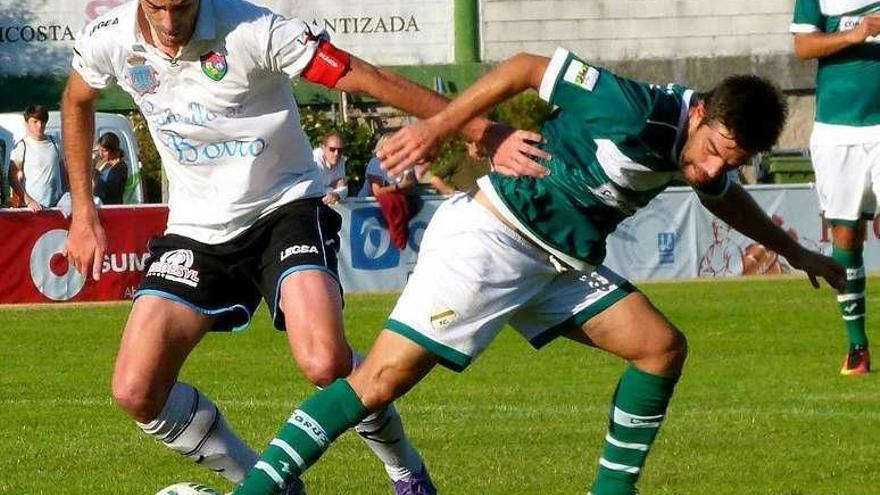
615, 145
847, 99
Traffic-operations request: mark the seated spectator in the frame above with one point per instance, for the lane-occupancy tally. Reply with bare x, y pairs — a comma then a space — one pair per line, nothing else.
111, 171
330, 160
35, 164
397, 197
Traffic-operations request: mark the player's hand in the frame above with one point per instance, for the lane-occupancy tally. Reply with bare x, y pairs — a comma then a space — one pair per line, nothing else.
513, 152
413, 145
86, 244
817, 265
868, 27
331, 198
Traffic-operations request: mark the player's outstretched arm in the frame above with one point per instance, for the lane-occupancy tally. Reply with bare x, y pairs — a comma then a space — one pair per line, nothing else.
817, 45
390, 88
739, 210
86, 242
516, 74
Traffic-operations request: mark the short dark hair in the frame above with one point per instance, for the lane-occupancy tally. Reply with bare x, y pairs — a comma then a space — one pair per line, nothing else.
38, 112
752, 108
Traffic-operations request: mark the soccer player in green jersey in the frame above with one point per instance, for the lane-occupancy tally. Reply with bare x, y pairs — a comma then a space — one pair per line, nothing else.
845, 143
528, 251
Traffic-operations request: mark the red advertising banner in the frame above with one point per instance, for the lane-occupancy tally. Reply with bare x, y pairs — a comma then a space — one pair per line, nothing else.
35, 270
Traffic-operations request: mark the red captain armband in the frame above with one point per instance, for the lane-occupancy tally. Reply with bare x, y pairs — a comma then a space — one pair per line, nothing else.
328, 65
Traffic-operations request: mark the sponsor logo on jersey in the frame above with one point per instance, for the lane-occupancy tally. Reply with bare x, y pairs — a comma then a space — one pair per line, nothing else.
301, 249
141, 76
175, 266
214, 65
103, 24
582, 75
442, 320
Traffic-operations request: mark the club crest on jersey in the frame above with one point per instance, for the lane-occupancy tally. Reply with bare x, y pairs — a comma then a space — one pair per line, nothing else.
443, 319
582, 75
141, 76
214, 65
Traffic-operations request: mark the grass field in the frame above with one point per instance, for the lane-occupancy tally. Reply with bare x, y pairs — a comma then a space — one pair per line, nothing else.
760, 409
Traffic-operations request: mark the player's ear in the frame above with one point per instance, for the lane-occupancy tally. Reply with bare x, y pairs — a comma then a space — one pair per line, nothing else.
698, 111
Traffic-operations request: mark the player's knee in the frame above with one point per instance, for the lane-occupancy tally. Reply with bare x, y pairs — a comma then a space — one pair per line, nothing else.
323, 369
672, 351
379, 387
136, 399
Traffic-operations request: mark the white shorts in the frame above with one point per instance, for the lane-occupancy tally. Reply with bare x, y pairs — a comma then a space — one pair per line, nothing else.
847, 179
475, 274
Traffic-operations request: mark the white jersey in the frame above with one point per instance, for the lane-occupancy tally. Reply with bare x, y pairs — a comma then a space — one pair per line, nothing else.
330, 175
221, 112
41, 164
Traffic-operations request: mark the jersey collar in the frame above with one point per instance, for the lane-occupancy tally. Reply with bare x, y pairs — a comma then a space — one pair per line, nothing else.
206, 26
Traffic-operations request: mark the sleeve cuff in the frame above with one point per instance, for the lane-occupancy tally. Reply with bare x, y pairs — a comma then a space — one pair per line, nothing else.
551, 75
795, 28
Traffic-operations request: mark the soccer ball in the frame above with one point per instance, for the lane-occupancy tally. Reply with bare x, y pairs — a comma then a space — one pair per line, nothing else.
188, 489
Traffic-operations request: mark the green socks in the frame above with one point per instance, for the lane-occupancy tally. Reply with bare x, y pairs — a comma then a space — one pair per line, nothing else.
852, 301
638, 410
304, 438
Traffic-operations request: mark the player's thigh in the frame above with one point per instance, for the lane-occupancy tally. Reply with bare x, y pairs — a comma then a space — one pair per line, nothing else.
300, 283
312, 305
158, 337
633, 329
568, 302
473, 272
302, 237
843, 181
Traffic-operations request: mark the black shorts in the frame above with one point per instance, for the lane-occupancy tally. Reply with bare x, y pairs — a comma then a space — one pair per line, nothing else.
228, 280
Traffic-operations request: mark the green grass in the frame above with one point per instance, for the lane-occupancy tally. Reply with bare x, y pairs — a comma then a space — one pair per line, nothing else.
760, 409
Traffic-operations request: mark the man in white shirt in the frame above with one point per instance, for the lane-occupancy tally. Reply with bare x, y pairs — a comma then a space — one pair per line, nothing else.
330, 159
35, 172
246, 221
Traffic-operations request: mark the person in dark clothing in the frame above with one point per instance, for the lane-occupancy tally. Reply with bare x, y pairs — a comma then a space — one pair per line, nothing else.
111, 171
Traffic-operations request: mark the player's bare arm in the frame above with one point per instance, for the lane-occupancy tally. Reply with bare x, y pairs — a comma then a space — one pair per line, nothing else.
818, 45
419, 140
17, 182
737, 208
86, 242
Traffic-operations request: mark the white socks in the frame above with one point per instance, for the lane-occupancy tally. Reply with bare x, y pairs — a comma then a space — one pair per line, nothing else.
191, 424
383, 433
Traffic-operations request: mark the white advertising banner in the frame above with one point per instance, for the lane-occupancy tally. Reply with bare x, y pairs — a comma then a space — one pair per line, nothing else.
674, 237
36, 36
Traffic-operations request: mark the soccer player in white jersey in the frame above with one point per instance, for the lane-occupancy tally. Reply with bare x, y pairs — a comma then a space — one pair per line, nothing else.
845, 142
246, 221
528, 251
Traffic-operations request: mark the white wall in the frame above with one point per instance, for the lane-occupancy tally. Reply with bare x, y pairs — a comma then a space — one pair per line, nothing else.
637, 29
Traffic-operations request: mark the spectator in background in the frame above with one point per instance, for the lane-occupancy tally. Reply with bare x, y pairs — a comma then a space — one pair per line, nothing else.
330, 160
35, 163
395, 195
111, 171
845, 142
